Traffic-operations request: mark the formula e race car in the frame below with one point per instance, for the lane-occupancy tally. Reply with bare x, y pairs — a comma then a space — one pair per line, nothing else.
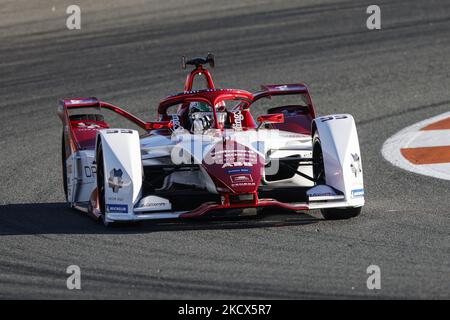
206, 155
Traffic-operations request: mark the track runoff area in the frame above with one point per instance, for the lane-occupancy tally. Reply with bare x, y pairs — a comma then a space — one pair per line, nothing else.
423, 147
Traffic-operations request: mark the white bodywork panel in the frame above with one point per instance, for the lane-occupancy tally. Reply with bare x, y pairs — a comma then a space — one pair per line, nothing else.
342, 156
81, 176
122, 170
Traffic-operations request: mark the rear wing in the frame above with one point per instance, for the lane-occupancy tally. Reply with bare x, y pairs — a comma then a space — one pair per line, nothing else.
269, 90
277, 89
65, 104
297, 116
83, 137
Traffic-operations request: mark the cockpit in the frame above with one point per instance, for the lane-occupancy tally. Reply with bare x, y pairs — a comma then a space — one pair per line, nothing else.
201, 117
200, 110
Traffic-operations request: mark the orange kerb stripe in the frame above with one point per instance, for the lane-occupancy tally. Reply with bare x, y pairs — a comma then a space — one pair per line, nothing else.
439, 125
427, 155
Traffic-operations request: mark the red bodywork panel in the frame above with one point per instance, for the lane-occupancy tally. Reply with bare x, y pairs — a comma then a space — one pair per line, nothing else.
257, 203
85, 132
199, 71
235, 167
297, 118
272, 118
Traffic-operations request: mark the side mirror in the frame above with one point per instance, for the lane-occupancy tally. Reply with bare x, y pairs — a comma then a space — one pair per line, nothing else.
271, 118
155, 125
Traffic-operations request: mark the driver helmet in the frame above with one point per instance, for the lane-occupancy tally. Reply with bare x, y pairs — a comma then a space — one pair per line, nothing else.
199, 107
200, 115
202, 111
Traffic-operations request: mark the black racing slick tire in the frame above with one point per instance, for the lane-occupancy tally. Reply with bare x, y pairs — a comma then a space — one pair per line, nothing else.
340, 214
319, 176
101, 183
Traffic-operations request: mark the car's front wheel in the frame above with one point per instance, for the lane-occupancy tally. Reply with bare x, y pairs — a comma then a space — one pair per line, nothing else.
340, 213
101, 184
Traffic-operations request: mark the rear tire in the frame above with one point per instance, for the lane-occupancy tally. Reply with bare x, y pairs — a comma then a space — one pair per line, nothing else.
319, 175
64, 166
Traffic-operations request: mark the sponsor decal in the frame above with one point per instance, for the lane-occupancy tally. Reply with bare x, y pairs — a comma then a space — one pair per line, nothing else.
356, 164
323, 194
238, 117
116, 199
84, 101
241, 178
117, 208
239, 170
115, 181
237, 164
175, 121
328, 118
204, 90
154, 203
85, 126
90, 171
357, 193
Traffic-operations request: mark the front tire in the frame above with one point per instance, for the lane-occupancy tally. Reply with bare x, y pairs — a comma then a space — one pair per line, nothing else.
340, 213
319, 176
101, 184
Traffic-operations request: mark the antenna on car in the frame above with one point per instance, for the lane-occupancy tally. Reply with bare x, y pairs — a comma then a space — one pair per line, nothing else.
198, 61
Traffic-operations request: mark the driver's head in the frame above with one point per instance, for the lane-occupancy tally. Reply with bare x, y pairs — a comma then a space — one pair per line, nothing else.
202, 117
198, 107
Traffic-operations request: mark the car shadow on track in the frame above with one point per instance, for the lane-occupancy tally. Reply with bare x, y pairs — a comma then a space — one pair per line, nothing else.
58, 218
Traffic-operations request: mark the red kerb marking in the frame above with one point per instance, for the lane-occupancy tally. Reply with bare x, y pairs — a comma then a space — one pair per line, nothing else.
438, 125
427, 155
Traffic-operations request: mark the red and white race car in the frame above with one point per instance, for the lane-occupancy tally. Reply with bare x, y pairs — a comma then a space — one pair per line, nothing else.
206, 155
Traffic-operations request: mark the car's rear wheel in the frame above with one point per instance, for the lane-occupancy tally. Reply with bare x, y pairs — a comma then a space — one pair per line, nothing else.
319, 176
64, 166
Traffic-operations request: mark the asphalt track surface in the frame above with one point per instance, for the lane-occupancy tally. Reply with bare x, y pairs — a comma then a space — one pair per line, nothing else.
127, 53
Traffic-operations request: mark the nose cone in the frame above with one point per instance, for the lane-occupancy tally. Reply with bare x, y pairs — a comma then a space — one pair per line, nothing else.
234, 167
